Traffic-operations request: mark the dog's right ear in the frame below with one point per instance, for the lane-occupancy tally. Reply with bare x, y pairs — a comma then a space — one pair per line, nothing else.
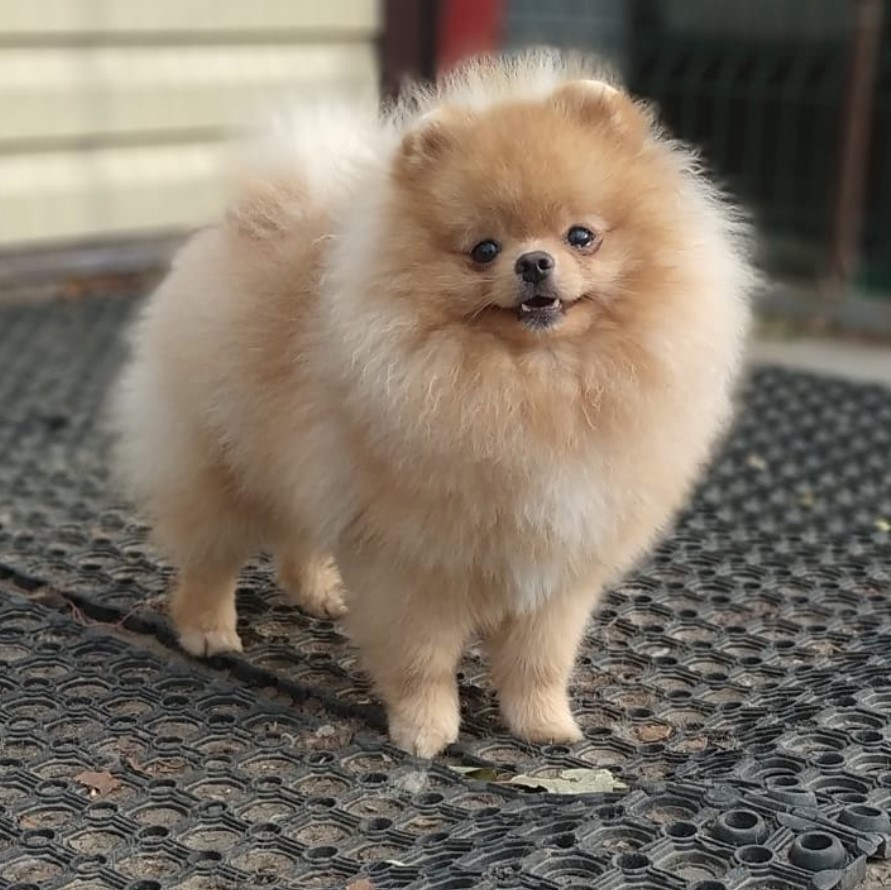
430, 137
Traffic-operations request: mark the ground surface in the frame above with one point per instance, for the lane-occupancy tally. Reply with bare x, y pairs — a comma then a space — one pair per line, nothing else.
850, 359
739, 684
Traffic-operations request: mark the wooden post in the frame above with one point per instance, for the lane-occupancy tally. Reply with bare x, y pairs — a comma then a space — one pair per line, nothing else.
856, 124
408, 44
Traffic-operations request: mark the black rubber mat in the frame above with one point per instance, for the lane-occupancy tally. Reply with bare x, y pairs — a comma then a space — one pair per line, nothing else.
739, 684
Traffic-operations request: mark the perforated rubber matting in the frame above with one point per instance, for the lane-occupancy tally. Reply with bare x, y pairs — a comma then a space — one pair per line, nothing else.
739, 684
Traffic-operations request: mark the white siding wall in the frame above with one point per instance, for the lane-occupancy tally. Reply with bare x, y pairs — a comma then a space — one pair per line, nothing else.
114, 114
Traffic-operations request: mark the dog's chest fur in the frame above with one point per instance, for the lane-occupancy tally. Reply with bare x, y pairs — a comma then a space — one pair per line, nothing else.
522, 538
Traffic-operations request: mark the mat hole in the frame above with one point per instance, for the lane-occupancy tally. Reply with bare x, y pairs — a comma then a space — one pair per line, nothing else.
754, 855
816, 841
868, 737
320, 758
681, 830
829, 758
741, 819
632, 861
864, 810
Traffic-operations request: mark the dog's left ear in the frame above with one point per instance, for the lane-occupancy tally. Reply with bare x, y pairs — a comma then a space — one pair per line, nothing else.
597, 103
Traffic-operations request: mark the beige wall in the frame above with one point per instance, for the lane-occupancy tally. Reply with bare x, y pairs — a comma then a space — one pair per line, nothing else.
114, 114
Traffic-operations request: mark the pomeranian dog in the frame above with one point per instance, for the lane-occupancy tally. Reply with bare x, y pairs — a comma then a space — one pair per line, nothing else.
456, 367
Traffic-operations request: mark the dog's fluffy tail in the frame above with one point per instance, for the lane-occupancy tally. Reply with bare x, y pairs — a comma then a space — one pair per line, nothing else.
303, 163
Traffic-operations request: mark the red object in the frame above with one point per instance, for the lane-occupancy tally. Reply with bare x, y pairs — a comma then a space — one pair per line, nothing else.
468, 27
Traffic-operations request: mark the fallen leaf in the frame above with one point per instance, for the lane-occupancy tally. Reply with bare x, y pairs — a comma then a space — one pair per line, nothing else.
481, 773
652, 732
690, 746
99, 782
135, 765
883, 525
361, 884
756, 462
573, 781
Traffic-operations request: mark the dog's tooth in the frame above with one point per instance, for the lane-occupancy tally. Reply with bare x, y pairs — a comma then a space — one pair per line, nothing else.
525, 307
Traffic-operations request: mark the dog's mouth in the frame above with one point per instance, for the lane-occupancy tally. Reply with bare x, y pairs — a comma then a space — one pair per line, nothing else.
535, 313
541, 312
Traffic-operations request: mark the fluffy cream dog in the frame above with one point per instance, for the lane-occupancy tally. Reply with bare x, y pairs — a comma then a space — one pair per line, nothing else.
473, 355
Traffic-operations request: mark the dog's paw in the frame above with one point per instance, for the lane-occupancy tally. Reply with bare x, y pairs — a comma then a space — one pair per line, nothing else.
205, 643
318, 590
545, 723
424, 738
563, 732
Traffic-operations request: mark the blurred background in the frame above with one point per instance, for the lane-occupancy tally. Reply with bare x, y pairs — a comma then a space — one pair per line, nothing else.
115, 116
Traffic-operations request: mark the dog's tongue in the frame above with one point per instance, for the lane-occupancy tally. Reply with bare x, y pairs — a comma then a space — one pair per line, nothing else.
536, 303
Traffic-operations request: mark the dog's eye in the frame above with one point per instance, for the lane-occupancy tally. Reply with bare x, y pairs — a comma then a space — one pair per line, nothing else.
579, 236
485, 252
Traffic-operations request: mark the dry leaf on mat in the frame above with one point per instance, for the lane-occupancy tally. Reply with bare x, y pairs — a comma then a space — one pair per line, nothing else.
573, 781
98, 781
567, 781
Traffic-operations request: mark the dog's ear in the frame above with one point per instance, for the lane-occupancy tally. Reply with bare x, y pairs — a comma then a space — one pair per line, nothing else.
597, 103
431, 136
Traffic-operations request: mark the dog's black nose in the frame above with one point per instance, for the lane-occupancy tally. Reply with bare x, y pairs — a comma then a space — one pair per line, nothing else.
534, 266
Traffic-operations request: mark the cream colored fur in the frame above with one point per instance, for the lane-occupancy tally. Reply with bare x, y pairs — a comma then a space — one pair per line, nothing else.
298, 384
